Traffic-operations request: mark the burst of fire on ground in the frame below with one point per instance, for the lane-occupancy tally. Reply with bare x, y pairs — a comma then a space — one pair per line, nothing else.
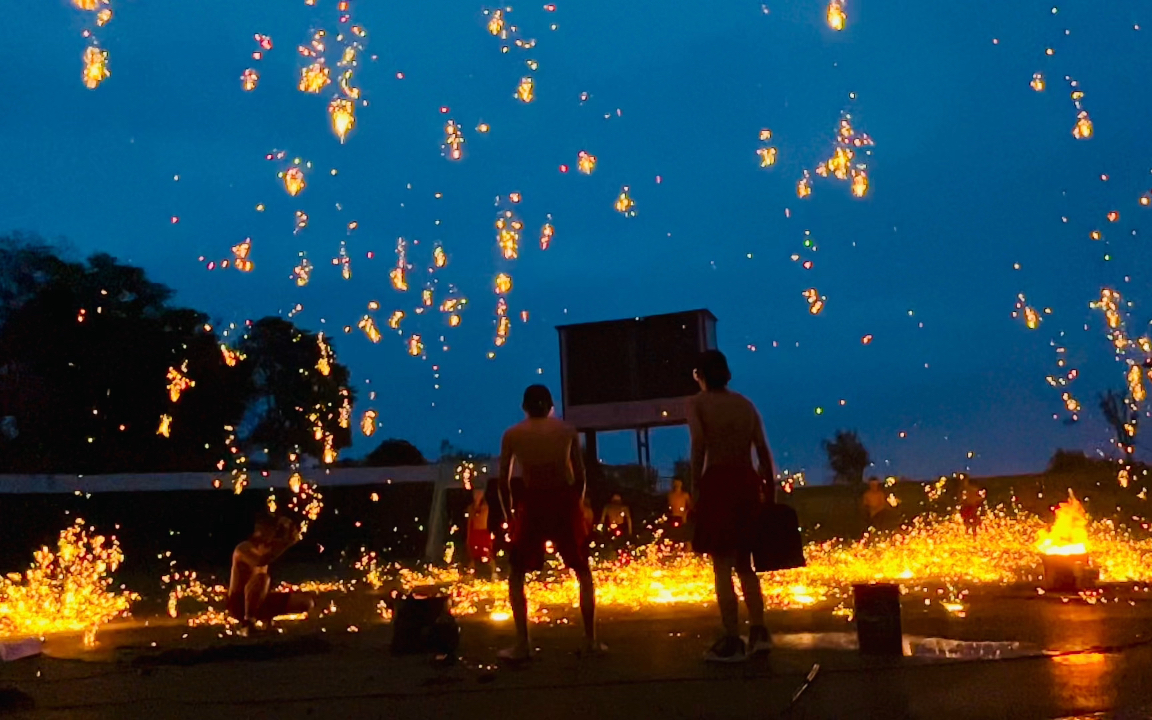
934, 559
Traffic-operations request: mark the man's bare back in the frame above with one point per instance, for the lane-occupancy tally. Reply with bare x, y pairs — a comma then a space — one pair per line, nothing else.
546, 450
726, 428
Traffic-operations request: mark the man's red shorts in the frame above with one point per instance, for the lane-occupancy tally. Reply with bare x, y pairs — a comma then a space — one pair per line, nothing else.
547, 514
479, 544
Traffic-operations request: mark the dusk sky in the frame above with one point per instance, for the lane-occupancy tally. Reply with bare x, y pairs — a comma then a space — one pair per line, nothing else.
972, 171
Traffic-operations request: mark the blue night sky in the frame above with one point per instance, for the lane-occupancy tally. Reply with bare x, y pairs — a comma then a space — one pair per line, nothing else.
972, 172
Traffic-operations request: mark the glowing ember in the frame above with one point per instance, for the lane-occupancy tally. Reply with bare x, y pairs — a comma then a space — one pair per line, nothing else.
68, 590
585, 162
178, 382
625, 204
815, 301
314, 78
394, 320
415, 346
368, 423
95, 67
526, 92
165, 428
249, 79
293, 181
837, 19
453, 140
508, 235
343, 114
1069, 532
368, 325
503, 283
546, 234
1083, 129
1037, 82
324, 364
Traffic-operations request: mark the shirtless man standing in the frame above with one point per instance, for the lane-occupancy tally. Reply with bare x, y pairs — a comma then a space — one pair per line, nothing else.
725, 429
547, 452
249, 601
616, 517
679, 505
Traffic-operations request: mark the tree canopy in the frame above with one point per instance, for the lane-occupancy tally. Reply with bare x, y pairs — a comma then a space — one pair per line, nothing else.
102, 374
847, 457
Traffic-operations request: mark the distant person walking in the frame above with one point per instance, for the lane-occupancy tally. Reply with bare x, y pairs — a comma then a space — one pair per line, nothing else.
971, 500
726, 429
548, 506
875, 503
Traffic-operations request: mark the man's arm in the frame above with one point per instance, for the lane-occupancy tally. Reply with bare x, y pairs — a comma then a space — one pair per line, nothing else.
696, 432
763, 454
579, 472
504, 483
628, 517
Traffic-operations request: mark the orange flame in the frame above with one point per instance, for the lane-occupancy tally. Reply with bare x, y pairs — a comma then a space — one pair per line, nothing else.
1069, 533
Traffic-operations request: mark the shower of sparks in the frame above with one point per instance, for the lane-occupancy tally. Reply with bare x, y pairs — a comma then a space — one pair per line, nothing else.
324, 364
1031, 317
837, 19
314, 78
585, 162
508, 235
240, 254
1136, 384
178, 382
230, 356
546, 234
526, 91
503, 324
343, 114
815, 300
453, 141
625, 205
399, 274
368, 325
303, 271
165, 428
249, 80
503, 284
66, 590
293, 181
95, 67
847, 162
804, 186
368, 423
415, 346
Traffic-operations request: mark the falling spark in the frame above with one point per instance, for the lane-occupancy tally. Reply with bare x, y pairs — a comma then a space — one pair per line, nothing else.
300, 223
394, 320
815, 301
399, 273
165, 428
324, 364
526, 91
804, 186
294, 181
1031, 318
439, 258
95, 67
368, 423
249, 80
240, 254
1037, 82
1083, 129
454, 140
303, 271
585, 162
415, 346
767, 156
503, 283
314, 78
368, 325
231, 357
625, 205
1136, 384
343, 117
836, 16
178, 382
508, 235
546, 234
496, 23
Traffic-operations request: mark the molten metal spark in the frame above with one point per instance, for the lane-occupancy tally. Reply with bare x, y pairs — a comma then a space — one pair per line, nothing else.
625, 204
324, 364
1037, 82
815, 300
249, 79
178, 382
95, 67
165, 428
453, 140
343, 114
546, 234
508, 235
368, 325
314, 78
303, 271
293, 181
526, 91
503, 284
394, 320
837, 19
585, 162
439, 257
415, 346
1083, 129
368, 423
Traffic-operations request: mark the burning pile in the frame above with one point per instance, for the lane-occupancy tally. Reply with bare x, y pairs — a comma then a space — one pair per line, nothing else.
68, 590
1069, 533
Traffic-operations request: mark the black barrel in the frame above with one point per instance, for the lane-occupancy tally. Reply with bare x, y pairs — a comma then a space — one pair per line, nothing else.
878, 619
419, 625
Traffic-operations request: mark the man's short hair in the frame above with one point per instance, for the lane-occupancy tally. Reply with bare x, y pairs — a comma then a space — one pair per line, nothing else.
265, 524
712, 367
537, 401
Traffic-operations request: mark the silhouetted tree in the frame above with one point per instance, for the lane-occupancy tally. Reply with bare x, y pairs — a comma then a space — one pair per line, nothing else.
93, 343
847, 457
300, 399
1122, 418
393, 453
451, 453
1066, 461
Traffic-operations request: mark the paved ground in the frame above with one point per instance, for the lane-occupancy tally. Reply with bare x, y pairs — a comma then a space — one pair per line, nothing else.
319, 670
